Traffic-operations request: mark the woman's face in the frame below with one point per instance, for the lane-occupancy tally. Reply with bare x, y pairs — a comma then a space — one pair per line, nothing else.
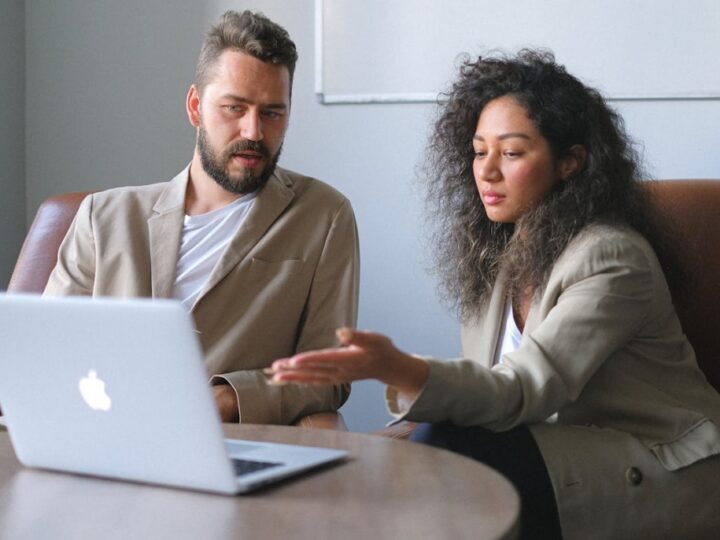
513, 167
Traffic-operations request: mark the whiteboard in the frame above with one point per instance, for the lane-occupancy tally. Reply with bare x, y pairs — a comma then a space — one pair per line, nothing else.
408, 50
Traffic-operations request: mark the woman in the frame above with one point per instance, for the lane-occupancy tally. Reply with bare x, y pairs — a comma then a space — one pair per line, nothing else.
577, 382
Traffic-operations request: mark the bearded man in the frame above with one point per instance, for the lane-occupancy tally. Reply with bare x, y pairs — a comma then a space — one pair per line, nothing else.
265, 259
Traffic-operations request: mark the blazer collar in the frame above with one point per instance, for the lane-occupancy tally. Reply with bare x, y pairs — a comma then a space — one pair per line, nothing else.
165, 233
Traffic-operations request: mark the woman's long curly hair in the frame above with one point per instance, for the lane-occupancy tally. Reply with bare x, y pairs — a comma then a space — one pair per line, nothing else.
470, 247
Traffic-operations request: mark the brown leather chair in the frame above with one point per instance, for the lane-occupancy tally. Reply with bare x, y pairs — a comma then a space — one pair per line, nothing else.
39, 255
692, 208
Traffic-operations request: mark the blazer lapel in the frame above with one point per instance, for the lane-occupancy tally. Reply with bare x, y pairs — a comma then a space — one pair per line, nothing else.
165, 232
535, 315
268, 205
481, 337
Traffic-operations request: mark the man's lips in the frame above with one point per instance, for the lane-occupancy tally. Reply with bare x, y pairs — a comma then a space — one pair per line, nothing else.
491, 197
248, 158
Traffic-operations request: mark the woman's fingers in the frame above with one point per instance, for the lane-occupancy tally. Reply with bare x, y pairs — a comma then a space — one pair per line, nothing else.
320, 374
359, 358
344, 335
294, 362
362, 339
304, 378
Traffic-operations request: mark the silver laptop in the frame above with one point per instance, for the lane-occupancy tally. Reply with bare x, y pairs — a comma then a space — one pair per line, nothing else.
118, 388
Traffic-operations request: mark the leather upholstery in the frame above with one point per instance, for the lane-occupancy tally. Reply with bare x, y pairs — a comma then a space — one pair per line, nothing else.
39, 251
692, 207
39, 255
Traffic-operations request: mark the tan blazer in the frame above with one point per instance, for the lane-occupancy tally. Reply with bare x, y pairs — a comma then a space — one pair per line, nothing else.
286, 281
611, 390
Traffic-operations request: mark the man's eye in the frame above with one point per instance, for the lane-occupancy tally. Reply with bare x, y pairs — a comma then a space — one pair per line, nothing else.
233, 108
271, 114
512, 154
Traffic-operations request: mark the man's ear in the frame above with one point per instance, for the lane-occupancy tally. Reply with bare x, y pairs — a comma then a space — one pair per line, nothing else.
192, 105
572, 162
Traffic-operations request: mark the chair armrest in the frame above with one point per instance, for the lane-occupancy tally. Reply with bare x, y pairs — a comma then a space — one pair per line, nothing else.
402, 431
323, 420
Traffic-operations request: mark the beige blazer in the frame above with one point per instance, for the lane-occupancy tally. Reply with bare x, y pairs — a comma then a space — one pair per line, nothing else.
286, 281
609, 385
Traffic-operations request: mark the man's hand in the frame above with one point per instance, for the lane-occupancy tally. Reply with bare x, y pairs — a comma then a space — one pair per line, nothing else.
226, 402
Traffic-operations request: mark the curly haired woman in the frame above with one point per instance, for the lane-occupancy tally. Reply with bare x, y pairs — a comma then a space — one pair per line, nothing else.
576, 381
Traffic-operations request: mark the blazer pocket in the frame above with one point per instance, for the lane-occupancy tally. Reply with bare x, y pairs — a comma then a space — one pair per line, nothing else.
279, 286
699, 442
271, 269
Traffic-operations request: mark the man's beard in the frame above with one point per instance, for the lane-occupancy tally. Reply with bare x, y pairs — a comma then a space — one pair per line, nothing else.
216, 167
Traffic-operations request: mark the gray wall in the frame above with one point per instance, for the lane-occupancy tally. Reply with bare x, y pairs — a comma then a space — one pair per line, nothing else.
106, 84
12, 134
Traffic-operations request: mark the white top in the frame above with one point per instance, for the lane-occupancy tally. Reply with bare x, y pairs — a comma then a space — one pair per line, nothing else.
204, 239
511, 335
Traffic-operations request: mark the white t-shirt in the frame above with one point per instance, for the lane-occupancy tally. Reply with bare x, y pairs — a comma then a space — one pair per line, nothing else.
511, 335
204, 239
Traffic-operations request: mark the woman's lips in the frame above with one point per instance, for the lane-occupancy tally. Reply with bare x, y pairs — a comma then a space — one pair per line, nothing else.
491, 197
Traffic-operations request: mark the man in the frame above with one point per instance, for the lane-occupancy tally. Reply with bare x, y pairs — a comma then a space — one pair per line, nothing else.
265, 259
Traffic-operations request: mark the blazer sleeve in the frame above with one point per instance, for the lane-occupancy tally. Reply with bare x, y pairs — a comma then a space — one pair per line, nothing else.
596, 300
74, 273
332, 302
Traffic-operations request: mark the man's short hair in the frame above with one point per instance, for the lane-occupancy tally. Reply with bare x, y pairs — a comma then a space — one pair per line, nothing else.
248, 32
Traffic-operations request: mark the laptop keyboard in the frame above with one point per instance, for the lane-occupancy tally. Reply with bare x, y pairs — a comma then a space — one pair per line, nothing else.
245, 466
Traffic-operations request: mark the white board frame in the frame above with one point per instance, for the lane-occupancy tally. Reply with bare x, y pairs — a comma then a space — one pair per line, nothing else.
331, 97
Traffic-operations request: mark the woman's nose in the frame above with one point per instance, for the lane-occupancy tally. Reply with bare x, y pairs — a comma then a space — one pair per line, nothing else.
487, 169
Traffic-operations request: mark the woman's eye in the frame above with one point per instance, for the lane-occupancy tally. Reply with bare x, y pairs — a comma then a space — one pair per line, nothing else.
479, 154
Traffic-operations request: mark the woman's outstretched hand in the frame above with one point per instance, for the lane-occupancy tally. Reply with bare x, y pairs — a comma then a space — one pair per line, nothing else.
364, 355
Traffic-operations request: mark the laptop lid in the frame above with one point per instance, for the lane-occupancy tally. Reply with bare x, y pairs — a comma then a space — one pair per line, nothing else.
118, 388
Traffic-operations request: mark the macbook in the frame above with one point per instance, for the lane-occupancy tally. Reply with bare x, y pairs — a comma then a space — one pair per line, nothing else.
118, 388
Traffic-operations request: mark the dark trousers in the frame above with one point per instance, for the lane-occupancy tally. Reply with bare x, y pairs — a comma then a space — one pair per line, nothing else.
515, 455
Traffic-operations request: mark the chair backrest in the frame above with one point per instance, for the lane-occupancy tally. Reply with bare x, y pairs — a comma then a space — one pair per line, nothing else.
693, 208
39, 251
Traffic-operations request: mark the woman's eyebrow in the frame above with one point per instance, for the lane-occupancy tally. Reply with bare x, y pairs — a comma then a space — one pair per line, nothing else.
504, 136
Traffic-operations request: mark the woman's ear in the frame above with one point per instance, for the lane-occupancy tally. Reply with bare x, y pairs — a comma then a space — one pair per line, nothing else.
572, 162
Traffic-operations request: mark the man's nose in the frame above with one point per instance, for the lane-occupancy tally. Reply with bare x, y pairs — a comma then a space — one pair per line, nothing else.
251, 126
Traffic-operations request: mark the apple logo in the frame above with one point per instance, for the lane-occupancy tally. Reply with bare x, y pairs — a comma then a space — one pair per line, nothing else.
93, 392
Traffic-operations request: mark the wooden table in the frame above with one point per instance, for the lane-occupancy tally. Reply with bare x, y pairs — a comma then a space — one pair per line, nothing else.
387, 489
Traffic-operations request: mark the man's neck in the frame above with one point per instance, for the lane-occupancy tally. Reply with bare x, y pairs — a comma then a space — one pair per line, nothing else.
203, 194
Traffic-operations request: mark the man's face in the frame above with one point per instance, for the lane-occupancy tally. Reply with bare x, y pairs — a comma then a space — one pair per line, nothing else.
241, 116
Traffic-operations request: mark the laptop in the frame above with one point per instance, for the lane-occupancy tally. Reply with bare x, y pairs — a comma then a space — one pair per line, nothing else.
118, 388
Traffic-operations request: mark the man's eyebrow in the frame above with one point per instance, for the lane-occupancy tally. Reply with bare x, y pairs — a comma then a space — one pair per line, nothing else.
240, 99
504, 136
